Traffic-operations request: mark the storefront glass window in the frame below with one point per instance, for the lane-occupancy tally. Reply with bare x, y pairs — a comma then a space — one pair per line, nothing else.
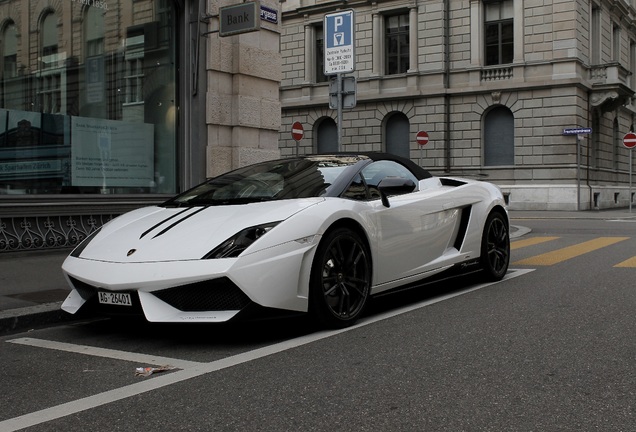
87, 97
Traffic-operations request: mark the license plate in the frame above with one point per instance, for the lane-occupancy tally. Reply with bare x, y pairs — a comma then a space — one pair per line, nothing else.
111, 298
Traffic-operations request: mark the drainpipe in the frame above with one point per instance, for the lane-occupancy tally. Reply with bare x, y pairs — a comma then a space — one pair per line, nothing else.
589, 148
447, 144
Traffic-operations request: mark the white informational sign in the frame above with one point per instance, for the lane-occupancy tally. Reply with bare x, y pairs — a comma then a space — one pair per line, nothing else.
109, 153
339, 42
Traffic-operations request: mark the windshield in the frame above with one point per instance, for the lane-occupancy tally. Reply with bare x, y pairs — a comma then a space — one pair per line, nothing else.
275, 180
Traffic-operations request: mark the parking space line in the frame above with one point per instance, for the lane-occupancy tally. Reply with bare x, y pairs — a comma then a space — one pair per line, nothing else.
142, 359
199, 369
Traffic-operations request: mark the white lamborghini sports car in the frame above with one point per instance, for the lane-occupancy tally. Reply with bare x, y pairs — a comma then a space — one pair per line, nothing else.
317, 234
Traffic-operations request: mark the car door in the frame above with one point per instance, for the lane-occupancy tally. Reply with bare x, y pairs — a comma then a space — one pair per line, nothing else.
415, 232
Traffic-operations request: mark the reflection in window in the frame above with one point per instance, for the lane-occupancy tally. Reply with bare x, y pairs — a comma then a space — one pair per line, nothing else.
94, 28
499, 32
397, 44
9, 52
9, 47
49, 36
82, 111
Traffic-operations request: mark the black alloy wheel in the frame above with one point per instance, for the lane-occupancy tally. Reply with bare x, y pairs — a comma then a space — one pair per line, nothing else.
340, 279
495, 247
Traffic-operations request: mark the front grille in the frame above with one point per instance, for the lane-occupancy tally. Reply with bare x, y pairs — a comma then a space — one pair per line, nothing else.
89, 293
213, 295
85, 290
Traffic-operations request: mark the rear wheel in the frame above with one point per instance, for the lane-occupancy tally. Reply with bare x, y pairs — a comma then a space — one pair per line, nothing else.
495, 247
340, 279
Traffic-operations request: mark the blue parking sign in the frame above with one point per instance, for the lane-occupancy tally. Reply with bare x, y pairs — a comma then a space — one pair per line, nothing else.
339, 42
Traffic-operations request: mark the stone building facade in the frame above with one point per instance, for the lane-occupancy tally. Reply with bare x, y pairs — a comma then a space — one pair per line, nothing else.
494, 84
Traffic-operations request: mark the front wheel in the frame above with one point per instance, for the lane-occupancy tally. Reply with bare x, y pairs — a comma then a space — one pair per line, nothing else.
340, 279
495, 247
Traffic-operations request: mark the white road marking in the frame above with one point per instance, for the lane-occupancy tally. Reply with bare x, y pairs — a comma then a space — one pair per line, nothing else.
198, 369
142, 359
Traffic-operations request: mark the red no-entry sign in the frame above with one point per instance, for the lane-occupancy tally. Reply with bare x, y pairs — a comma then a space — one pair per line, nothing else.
630, 140
297, 131
422, 138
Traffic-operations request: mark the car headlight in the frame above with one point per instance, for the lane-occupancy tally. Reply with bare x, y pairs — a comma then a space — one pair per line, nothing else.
80, 247
235, 245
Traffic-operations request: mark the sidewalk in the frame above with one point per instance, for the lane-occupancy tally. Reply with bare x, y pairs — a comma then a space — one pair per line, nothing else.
32, 287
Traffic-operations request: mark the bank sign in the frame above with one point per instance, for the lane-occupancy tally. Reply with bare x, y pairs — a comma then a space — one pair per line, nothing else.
241, 18
339, 42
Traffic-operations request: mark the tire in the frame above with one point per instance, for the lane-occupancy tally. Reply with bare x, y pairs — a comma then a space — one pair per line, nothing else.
495, 247
340, 280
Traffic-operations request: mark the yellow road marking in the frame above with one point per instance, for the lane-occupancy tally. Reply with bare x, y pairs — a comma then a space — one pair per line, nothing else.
627, 263
530, 242
560, 255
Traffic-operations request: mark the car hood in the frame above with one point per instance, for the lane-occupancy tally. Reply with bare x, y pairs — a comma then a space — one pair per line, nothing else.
154, 234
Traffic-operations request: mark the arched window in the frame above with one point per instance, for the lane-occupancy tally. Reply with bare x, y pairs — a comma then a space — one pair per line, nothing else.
9, 71
49, 35
94, 30
326, 136
52, 79
499, 137
397, 135
9, 51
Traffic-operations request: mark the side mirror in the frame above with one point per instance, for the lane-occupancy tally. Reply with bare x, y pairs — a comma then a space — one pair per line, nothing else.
394, 186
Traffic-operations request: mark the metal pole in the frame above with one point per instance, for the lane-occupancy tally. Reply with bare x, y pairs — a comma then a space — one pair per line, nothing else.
339, 85
631, 157
578, 173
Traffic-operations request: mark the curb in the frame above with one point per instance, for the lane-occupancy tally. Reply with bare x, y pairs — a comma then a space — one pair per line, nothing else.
14, 320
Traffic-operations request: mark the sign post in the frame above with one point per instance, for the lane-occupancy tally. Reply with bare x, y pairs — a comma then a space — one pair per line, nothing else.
422, 140
339, 53
579, 132
629, 141
297, 134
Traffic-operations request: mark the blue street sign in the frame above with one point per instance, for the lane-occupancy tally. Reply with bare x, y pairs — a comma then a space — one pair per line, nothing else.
577, 131
339, 42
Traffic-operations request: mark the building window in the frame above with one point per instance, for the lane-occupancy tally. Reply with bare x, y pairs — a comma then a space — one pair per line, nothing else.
499, 29
595, 36
94, 28
86, 114
9, 52
396, 44
616, 43
499, 137
49, 36
397, 135
9, 69
326, 136
51, 75
617, 143
320, 54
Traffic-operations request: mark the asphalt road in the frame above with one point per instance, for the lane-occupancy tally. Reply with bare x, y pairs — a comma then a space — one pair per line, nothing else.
550, 348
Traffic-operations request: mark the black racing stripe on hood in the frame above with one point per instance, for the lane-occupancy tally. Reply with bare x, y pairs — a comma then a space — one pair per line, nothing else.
163, 222
179, 221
